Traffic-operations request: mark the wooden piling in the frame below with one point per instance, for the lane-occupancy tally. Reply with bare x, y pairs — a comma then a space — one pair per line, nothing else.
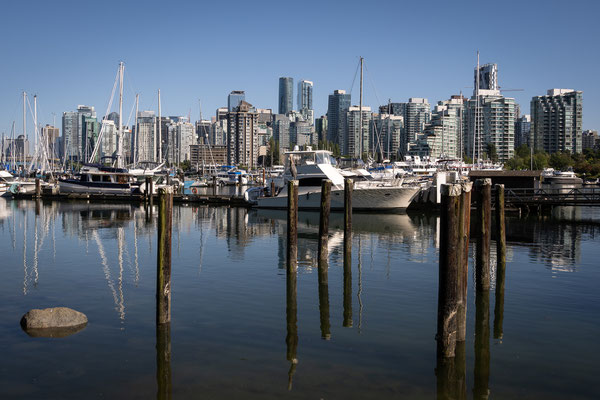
214, 185
463, 260
449, 271
163, 260
292, 222
501, 262
348, 189
38, 188
324, 218
272, 188
484, 216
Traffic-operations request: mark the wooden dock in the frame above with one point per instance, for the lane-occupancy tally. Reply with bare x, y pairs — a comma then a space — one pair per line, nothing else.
212, 199
583, 196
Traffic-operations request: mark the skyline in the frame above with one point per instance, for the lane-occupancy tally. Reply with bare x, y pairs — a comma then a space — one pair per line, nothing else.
433, 58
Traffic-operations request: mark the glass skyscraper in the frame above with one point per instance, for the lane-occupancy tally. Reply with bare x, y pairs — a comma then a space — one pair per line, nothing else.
234, 99
286, 95
338, 104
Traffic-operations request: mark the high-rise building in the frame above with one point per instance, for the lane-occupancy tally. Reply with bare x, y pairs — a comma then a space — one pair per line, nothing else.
321, 127
51, 137
242, 145
302, 133
73, 132
181, 135
590, 139
488, 77
90, 133
281, 131
338, 104
108, 145
146, 139
417, 113
305, 100
390, 128
356, 142
234, 99
203, 131
556, 121
522, 130
221, 113
491, 121
286, 95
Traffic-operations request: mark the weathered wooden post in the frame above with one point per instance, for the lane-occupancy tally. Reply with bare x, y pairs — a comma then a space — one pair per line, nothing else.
272, 188
484, 214
291, 339
163, 361
324, 218
449, 271
38, 188
463, 260
348, 189
163, 259
501, 262
292, 222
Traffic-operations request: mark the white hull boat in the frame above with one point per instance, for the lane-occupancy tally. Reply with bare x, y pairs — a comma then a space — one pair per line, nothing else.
310, 168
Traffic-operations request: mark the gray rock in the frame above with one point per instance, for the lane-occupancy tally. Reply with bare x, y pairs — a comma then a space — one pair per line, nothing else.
53, 322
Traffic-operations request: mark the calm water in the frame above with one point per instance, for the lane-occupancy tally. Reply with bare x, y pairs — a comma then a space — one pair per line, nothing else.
231, 334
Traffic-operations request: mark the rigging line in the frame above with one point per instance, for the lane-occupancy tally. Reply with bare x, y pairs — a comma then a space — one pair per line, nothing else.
354, 79
108, 108
130, 114
372, 84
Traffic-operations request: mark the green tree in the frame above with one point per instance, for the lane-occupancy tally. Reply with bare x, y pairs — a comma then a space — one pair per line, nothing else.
492, 153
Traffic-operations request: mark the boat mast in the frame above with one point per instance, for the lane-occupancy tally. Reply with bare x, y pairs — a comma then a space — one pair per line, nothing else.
120, 128
24, 132
360, 104
136, 137
159, 131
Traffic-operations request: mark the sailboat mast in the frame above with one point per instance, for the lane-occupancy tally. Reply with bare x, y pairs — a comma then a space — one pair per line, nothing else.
24, 131
159, 131
136, 137
360, 104
120, 128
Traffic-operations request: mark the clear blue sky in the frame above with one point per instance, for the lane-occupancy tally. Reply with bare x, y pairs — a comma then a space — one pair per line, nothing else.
67, 52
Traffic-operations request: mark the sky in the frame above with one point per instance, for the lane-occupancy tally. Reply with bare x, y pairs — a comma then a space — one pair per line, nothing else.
67, 52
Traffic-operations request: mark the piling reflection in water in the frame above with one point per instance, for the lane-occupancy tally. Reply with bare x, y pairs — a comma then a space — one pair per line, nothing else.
347, 319
482, 345
291, 312
163, 361
324, 300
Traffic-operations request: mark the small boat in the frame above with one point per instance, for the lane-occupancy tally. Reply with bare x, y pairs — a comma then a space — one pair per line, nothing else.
98, 179
564, 178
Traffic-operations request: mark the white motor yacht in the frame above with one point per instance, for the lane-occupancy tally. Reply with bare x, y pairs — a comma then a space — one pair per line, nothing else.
311, 167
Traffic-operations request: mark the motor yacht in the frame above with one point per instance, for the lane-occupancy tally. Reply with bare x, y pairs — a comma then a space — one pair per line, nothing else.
98, 179
311, 167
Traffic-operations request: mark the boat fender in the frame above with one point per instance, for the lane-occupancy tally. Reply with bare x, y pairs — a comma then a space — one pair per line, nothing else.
194, 190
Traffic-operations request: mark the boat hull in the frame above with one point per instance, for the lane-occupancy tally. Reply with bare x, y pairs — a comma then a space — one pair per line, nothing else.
70, 186
363, 199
